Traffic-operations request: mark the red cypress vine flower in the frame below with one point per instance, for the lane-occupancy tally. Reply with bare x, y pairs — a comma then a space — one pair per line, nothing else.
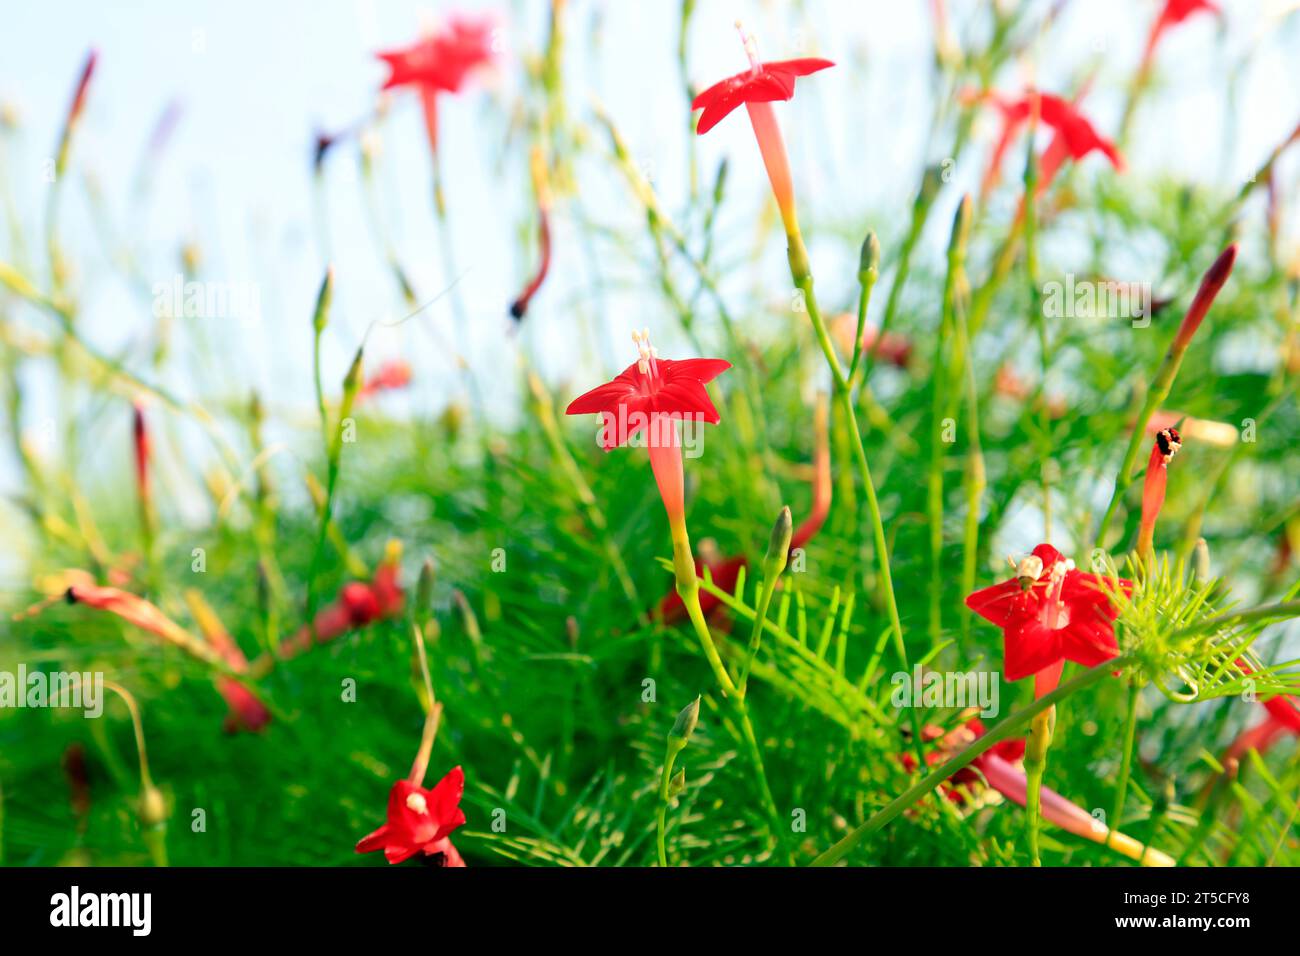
1075, 137
420, 821
650, 395
1050, 613
757, 88
439, 63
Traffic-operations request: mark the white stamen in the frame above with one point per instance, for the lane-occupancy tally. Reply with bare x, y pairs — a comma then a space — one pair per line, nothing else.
646, 364
417, 803
751, 49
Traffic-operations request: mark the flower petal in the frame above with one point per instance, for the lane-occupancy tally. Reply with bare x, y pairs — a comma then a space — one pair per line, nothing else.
1028, 647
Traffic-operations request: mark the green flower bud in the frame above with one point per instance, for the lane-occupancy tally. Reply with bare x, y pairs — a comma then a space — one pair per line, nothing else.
778, 545
869, 259
677, 785
323, 298
685, 724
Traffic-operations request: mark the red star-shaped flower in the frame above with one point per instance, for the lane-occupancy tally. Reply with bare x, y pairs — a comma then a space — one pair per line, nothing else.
761, 83
442, 60
649, 396
420, 821
649, 389
1050, 613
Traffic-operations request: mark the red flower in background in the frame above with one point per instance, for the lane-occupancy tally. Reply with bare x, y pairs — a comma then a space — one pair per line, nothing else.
392, 375
1174, 13
420, 821
1050, 613
439, 63
358, 604
1075, 137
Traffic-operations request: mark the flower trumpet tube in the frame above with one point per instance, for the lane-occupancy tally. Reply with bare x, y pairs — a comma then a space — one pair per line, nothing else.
1165, 447
134, 610
542, 190
758, 88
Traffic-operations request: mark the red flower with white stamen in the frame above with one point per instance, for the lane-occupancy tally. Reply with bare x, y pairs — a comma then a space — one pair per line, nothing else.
1050, 613
758, 87
650, 395
420, 821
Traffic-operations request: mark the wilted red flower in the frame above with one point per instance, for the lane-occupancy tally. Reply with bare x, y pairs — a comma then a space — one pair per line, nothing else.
420, 821
758, 87
1050, 613
439, 63
650, 395
141, 447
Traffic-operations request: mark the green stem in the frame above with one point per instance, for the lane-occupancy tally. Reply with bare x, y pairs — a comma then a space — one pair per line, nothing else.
1040, 739
1126, 761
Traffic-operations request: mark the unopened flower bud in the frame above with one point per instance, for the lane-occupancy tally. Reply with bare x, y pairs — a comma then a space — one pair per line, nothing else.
869, 259
677, 785
685, 724
778, 545
153, 807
